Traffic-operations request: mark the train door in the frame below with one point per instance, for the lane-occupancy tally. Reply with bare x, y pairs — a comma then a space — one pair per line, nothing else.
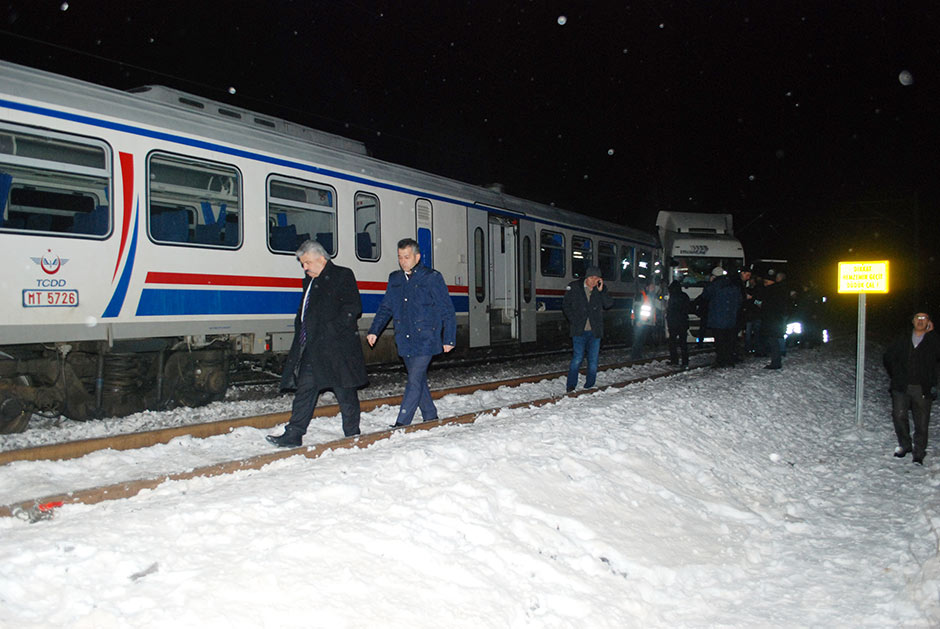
504, 283
478, 272
527, 252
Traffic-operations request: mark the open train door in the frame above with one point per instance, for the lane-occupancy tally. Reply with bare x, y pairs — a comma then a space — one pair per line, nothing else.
478, 271
527, 251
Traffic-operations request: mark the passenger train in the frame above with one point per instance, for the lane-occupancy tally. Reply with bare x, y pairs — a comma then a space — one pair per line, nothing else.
147, 240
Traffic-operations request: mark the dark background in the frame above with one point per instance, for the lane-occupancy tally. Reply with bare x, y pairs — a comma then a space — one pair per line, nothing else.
791, 115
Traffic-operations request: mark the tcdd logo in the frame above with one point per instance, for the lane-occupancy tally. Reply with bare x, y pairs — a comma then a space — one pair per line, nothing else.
49, 262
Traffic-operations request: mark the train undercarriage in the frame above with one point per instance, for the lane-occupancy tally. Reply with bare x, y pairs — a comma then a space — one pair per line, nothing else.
89, 380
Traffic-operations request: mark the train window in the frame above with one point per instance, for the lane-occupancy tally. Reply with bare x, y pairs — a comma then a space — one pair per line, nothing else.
193, 202
582, 255
299, 211
527, 270
552, 253
607, 261
367, 226
643, 270
626, 263
54, 183
479, 265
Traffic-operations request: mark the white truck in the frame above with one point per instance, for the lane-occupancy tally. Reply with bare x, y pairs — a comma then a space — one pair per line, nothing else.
693, 245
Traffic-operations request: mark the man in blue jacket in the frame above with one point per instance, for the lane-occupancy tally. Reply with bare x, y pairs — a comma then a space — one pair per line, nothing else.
724, 302
425, 325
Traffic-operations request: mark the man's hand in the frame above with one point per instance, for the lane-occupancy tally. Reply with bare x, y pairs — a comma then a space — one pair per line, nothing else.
447, 348
371, 339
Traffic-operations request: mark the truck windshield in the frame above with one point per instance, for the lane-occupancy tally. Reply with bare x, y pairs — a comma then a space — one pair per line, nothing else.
696, 271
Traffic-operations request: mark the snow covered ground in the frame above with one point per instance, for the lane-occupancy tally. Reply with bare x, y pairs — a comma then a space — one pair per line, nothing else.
737, 498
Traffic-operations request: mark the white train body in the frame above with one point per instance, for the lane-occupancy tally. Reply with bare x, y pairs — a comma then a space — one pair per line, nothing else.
161, 222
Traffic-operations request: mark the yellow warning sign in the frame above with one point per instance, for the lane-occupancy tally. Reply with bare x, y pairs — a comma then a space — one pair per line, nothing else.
863, 277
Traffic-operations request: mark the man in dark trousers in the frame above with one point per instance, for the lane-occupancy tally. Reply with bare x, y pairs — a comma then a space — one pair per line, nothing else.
326, 352
677, 321
911, 362
724, 301
584, 304
773, 317
425, 325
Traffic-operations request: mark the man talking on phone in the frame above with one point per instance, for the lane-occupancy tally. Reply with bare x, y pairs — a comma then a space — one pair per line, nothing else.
911, 361
584, 304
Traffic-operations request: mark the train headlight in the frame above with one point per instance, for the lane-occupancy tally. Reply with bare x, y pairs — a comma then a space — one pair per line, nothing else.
794, 328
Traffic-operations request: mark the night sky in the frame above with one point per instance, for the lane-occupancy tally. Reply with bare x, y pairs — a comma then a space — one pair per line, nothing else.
816, 124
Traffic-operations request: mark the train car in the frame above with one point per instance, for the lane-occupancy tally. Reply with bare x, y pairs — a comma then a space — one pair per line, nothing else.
148, 237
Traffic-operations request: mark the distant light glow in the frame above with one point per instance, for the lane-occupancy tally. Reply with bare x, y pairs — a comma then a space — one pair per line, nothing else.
794, 328
825, 336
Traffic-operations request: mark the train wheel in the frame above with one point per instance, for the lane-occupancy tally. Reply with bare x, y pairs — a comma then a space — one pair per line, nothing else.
196, 378
13, 417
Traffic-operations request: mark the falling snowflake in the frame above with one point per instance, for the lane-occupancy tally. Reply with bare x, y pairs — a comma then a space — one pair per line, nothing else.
562, 20
231, 90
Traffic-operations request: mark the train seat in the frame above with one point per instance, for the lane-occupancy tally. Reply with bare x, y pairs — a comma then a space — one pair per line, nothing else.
209, 234
283, 238
171, 226
364, 246
95, 222
326, 239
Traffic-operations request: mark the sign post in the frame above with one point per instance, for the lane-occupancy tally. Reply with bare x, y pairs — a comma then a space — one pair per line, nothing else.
862, 278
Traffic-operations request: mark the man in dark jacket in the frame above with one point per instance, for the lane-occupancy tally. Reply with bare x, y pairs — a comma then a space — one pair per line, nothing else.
773, 300
677, 321
326, 352
584, 304
724, 301
911, 362
425, 325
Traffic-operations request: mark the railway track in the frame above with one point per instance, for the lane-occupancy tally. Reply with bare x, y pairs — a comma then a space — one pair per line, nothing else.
41, 507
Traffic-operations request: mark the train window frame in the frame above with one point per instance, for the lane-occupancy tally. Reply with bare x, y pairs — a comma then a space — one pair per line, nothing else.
376, 241
480, 265
608, 262
297, 207
580, 263
627, 263
51, 192
528, 277
550, 269
194, 202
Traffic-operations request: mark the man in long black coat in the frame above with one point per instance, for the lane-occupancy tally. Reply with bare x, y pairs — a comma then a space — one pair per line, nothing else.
326, 352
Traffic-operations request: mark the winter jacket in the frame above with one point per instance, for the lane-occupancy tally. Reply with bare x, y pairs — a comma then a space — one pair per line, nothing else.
331, 321
724, 301
677, 310
774, 304
579, 310
424, 315
907, 364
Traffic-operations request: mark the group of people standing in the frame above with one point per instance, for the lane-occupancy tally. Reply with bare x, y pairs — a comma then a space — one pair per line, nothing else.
327, 353
729, 305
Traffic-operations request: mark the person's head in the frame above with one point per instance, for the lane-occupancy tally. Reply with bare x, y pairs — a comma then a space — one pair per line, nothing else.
409, 254
592, 275
312, 256
675, 286
716, 273
745, 275
921, 322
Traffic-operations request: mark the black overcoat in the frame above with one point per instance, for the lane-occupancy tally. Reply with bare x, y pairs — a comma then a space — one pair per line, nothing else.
333, 344
578, 309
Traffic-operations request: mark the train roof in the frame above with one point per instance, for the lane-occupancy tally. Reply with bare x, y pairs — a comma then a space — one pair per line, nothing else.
167, 109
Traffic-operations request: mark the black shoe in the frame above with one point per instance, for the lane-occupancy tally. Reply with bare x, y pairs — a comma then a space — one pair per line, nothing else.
919, 461
900, 452
771, 366
397, 425
286, 440
429, 419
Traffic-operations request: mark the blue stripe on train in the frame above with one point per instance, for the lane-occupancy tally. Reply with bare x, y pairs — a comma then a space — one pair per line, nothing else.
163, 302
